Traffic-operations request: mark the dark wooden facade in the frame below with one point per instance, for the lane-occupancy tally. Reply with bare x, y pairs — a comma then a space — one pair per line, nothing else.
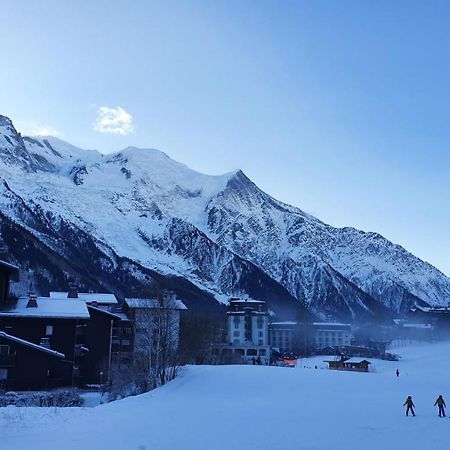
63, 336
95, 364
349, 364
25, 366
51, 326
63, 339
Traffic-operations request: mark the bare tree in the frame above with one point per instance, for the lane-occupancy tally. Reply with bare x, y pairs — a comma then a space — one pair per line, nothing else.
156, 323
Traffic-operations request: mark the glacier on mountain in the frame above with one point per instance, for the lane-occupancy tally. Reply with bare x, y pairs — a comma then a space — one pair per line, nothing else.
220, 233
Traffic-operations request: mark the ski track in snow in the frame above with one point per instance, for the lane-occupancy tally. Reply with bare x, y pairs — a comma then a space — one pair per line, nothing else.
256, 407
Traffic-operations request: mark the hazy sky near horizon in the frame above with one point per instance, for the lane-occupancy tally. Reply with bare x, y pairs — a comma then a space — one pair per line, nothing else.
339, 108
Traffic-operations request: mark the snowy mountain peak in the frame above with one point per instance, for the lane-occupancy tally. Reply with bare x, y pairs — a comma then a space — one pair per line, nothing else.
6, 122
222, 233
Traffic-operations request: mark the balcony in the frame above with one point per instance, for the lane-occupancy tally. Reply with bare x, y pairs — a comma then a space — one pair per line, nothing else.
7, 361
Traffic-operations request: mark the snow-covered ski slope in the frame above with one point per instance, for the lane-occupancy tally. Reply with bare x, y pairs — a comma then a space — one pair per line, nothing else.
256, 408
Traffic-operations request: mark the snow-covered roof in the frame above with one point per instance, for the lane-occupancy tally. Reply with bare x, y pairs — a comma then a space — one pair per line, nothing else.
331, 324
245, 300
89, 297
356, 360
104, 311
153, 303
48, 307
284, 323
31, 344
122, 316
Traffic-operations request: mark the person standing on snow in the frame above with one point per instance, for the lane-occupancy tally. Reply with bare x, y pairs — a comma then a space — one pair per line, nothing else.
441, 404
409, 406
397, 373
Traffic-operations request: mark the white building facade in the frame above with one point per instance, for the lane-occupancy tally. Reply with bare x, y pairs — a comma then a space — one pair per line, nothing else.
248, 331
332, 334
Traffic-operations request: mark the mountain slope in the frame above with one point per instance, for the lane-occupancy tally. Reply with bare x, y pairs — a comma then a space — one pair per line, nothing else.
294, 248
221, 234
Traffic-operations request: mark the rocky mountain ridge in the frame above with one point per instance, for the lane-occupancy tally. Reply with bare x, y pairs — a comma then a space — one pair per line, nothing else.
218, 236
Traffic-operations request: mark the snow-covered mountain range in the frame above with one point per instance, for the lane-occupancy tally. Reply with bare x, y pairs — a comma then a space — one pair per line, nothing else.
121, 220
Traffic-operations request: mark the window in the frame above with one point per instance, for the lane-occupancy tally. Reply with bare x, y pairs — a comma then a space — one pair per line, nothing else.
236, 334
49, 330
260, 322
4, 373
4, 350
252, 352
260, 342
260, 334
262, 352
236, 321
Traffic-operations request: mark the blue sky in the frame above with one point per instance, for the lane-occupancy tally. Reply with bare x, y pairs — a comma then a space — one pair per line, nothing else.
339, 108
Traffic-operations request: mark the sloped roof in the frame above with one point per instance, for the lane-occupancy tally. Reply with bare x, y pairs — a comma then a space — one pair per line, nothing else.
104, 311
356, 361
89, 297
153, 303
10, 268
48, 307
31, 345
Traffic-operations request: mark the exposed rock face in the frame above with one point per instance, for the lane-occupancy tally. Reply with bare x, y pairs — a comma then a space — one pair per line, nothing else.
121, 220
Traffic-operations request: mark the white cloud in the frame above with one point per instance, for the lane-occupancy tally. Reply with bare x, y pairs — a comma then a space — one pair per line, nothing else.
113, 120
38, 129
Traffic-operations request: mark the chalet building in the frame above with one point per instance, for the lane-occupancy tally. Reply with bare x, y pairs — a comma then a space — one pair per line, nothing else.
44, 323
349, 364
95, 334
27, 366
247, 331
72, 338
8, 274
95, 366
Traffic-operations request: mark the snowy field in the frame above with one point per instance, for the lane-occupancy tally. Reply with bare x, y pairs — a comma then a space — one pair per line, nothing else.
256, 408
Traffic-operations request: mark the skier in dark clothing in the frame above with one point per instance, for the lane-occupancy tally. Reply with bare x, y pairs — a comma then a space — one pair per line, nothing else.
397, 372
441, 404
409, 405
